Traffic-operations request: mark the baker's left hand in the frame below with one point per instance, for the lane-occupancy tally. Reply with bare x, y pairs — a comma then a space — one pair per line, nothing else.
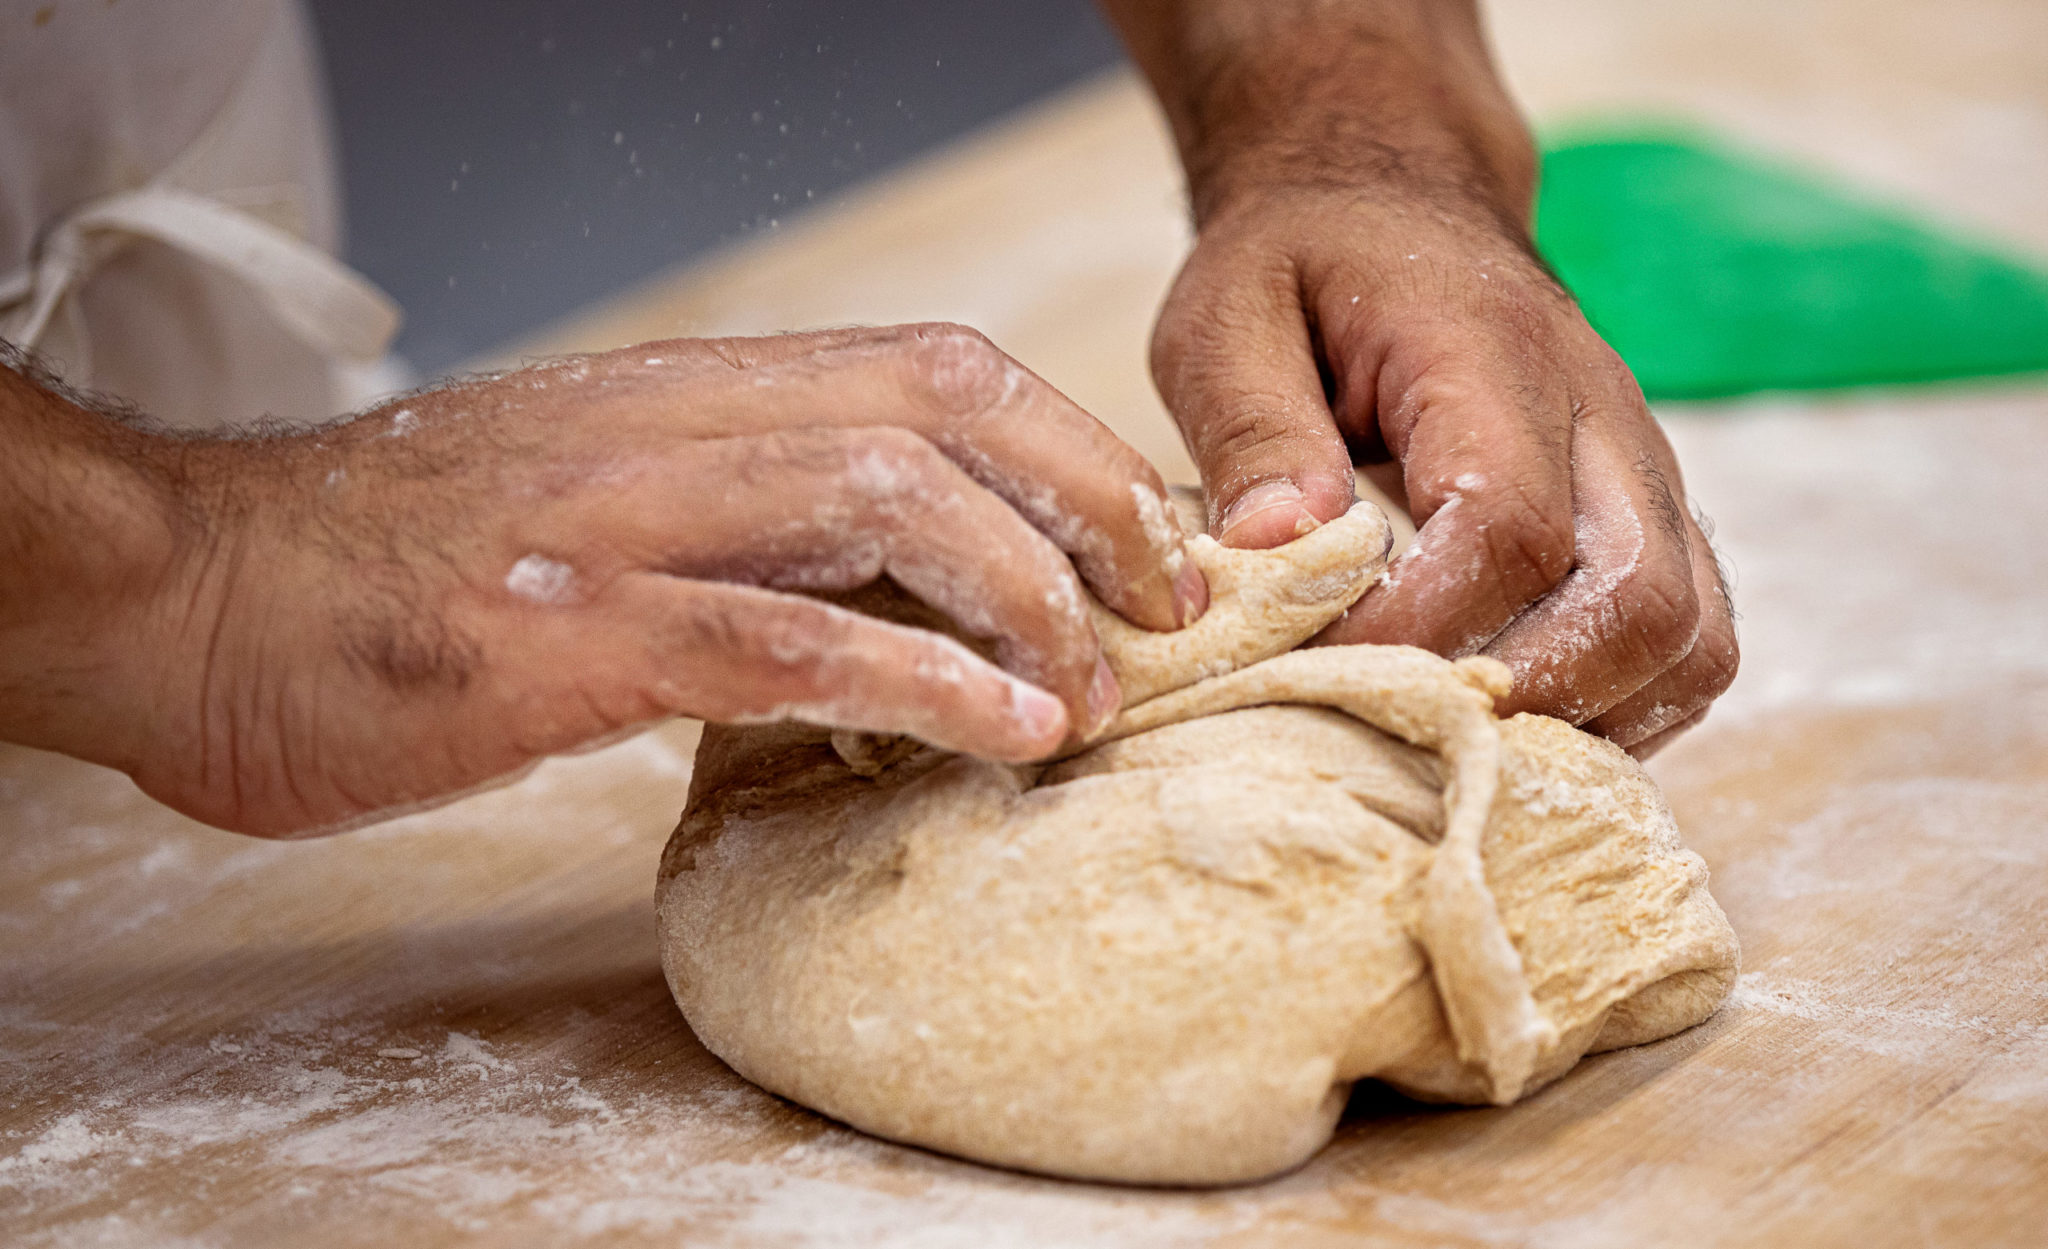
1363, 289
1311, 327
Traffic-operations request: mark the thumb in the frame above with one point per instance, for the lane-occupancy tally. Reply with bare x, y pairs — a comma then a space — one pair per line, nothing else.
1234, 360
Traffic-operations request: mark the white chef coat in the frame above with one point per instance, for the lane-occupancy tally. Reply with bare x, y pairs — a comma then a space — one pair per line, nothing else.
168, 216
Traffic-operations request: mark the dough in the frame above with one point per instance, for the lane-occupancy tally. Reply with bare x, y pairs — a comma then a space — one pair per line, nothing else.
1166, 957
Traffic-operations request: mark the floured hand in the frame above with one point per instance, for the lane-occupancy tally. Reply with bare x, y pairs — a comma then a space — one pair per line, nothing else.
320, 627
1363, 288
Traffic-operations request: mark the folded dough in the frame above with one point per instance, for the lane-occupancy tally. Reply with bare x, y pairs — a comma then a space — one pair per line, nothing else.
1166, 957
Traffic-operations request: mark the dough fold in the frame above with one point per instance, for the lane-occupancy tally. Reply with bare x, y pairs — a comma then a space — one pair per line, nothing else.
1166, 957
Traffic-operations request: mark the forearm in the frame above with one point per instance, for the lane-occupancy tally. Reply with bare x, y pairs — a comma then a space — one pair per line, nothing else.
89, 537
1394, 94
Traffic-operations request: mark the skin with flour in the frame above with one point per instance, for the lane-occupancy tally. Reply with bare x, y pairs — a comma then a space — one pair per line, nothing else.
1363, 287
300, 632
284, 634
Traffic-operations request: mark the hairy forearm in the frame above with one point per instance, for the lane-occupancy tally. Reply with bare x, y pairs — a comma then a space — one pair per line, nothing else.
89, 536
1395, 95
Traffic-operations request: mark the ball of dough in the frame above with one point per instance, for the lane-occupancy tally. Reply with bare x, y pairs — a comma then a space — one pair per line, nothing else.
1166, 958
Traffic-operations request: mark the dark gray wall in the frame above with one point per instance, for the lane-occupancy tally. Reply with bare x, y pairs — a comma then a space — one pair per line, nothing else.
506, 161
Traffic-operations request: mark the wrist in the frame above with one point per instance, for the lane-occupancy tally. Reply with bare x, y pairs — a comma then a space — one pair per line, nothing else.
1392, 99
97, 543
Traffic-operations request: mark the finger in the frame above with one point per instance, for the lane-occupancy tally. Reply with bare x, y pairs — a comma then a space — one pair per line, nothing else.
1233, 359
1095, 497
1650, 746
1682, 694
1628, 610
740, 654
823, 510
1488, 478
741, 354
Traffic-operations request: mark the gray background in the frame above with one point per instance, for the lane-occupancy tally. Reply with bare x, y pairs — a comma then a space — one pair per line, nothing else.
506, 161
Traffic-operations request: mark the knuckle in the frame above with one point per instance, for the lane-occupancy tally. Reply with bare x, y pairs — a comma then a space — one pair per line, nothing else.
1041, 600
1445, 394
877, 463
959, 371
1530, 540
1658, 616
1218, 303
789, 642
1610, 371
887, 463
950, 332
1714, 659
1065, 611
905, 448
709, 627
1529, 328
1185, 328
796, 642
1251, 428
763, 461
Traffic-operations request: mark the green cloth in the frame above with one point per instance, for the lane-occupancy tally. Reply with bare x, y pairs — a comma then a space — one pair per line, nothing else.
1716, 273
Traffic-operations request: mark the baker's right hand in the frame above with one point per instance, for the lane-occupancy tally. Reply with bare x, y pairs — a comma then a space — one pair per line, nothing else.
394, 610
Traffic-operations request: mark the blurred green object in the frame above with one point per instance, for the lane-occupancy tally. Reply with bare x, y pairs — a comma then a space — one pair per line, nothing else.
1717, 273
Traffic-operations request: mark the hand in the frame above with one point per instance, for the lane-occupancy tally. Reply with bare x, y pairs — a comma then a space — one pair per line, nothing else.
1554, 532
1363, 288
434, 595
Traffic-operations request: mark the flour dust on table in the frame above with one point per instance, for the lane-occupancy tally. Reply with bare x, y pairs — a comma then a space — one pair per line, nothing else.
1166, 957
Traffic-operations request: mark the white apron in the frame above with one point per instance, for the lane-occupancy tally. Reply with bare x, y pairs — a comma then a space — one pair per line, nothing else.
168, 217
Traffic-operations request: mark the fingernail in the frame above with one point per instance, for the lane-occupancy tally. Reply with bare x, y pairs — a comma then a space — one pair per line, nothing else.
1190, 594
1104, 697
1290, 516
1042, 716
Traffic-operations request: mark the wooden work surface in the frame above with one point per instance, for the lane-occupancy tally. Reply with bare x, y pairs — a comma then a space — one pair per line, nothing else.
453, 1029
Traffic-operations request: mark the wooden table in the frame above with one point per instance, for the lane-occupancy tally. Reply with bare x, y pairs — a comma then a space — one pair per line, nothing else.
452, 1029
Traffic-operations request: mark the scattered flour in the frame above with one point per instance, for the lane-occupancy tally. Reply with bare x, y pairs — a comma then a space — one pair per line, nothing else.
65, 1141
470, 1054
1909, 1031
461, 1127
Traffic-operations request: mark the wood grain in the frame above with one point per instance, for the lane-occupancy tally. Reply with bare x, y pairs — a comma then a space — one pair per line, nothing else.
452, 1030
